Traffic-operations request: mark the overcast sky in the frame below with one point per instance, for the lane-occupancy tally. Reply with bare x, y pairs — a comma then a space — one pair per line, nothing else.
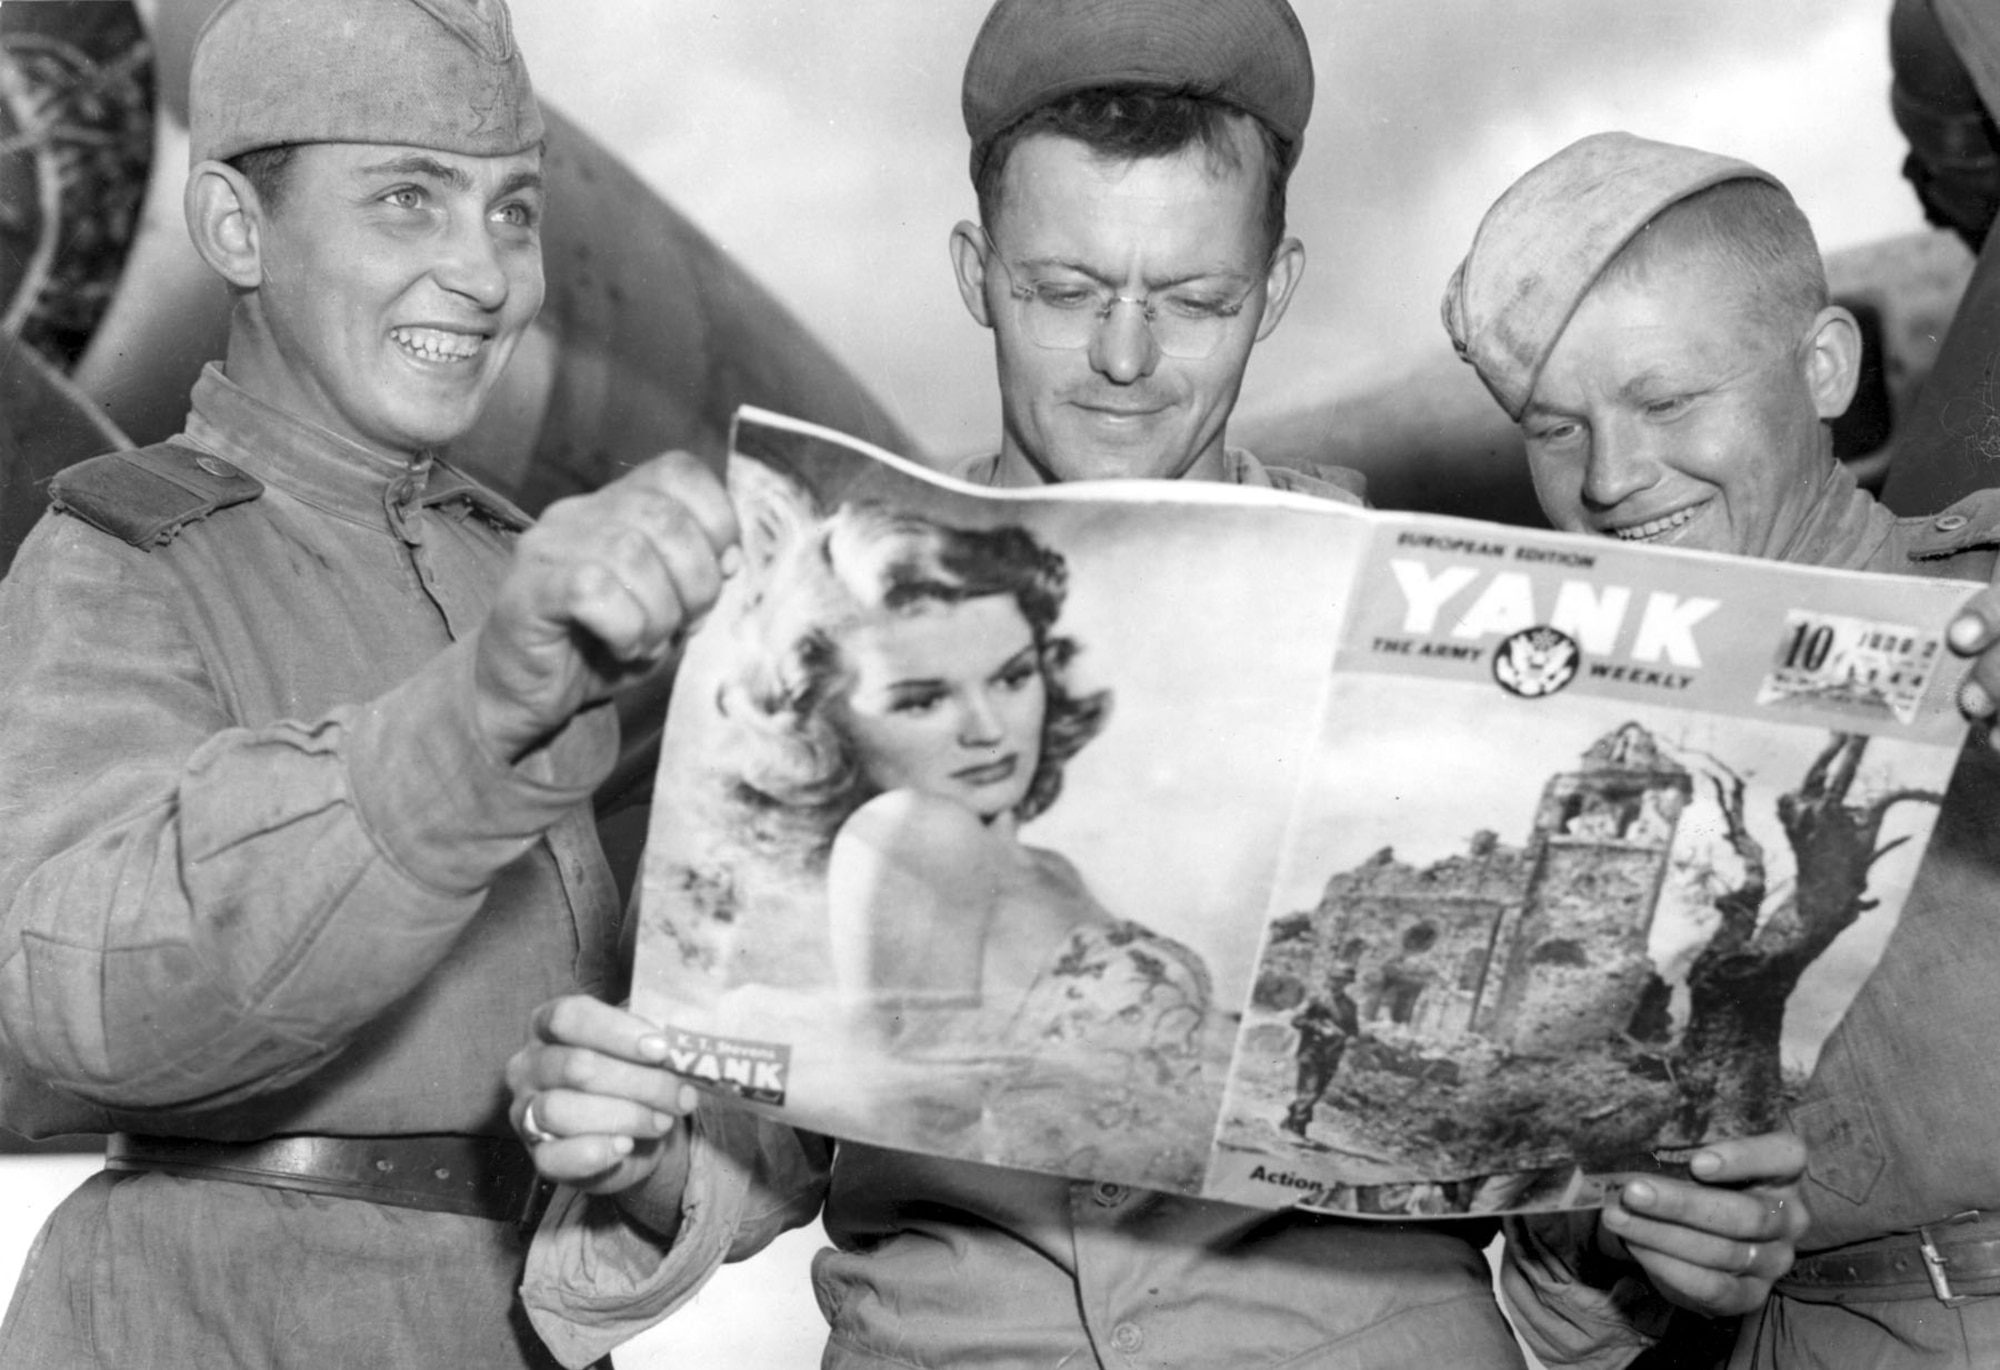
821, 144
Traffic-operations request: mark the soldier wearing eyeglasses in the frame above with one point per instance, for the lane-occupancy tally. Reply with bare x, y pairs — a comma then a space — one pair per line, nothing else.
1131, 249
1130, 158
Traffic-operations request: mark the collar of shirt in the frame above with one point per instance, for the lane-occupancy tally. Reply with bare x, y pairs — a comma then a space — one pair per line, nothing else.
287, 453
1845, 526
1239, 468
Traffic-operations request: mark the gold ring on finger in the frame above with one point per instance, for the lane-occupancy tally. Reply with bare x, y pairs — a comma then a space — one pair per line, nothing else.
532, 1130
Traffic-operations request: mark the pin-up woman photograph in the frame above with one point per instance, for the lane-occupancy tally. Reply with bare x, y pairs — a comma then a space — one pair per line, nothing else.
901, 696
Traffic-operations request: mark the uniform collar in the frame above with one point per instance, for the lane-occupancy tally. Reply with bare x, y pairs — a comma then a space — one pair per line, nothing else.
304, 460
1238, 467
1845, 527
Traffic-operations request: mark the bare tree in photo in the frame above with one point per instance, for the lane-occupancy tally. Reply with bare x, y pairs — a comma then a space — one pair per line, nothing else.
1727, 1062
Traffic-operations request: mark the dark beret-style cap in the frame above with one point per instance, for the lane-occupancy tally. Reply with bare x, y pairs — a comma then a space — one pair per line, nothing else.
441, 74
1250, 53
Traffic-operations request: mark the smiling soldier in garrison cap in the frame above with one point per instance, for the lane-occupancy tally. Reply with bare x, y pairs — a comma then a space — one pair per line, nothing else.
299, 729
1130, 159
1656, 319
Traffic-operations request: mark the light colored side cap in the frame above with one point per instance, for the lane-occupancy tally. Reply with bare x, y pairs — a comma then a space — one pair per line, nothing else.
1549, 237
440, 74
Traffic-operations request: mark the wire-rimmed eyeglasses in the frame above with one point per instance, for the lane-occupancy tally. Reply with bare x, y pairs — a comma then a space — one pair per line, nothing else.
1063, 315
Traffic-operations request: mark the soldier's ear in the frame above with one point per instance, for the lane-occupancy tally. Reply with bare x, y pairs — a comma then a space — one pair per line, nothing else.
968, 264
1288, 264
226, 223
1831, 357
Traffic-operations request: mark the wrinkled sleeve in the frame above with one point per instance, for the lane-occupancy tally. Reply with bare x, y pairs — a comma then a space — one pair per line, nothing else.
1565, 1321
193, 912
595, 1279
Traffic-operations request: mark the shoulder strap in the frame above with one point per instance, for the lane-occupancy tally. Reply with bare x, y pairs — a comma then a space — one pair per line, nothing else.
146, 497
1972, 524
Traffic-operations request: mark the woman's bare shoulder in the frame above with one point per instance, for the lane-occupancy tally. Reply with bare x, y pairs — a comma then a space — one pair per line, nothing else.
919, 829
1054, 863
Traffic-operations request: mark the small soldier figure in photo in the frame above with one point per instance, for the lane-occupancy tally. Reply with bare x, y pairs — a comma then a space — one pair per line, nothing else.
1326, 1025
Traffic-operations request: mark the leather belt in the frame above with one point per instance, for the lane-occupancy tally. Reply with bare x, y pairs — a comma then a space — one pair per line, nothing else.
1954, 1262
477, 1177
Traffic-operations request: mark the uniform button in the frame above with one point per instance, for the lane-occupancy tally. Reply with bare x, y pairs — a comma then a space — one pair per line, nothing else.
1951, 523
1108, 1195
217, 467
1126, 1336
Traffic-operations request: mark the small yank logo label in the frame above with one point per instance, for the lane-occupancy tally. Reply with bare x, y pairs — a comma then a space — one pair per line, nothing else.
1535, 662
757, 1071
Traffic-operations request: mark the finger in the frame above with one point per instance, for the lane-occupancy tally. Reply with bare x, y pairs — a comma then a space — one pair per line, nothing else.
689, 482
561, 1113
580, 1042
548, 1069
1974, 632
624, 595
1976, 625
595, 1163
603, 600
578, 1020
1691, 1246
1750, 1215
650, 578
1973, 700
1702, 1288
1979, 691
667, 526
666, 552
528, 1121
1769, 1156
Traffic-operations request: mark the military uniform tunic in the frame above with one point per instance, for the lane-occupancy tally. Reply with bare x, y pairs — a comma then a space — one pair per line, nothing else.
1901, 1117
262, 876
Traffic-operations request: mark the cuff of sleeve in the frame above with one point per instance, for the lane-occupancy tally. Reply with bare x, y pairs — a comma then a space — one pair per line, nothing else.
595, 1278
1563, 1319
436, 798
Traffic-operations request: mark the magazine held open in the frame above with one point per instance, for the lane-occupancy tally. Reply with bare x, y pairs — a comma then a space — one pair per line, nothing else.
1235, 843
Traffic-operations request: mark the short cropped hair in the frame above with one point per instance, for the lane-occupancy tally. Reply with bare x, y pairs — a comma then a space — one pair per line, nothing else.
1131, 123
1755, 232
268, 170
788, 751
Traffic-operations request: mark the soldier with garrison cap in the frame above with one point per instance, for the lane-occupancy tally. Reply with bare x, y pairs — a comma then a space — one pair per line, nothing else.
299, 730
1130, 159
1656, 319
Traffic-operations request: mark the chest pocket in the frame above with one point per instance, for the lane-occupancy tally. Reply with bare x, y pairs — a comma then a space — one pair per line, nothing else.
1844, 1154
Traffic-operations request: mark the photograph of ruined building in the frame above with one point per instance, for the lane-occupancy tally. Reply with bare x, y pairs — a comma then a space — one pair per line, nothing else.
1499, 1018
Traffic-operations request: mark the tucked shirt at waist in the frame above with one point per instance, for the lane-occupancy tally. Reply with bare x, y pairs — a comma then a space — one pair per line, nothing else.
945, 1263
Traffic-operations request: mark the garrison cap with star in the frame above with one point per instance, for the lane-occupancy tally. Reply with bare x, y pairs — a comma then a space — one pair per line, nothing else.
439, 74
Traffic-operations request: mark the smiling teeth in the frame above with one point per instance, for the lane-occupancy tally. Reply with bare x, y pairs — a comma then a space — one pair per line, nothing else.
436, 345
1641, 532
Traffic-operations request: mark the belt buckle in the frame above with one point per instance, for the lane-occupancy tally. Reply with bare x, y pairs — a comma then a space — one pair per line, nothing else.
1934, 1262
535, 1203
